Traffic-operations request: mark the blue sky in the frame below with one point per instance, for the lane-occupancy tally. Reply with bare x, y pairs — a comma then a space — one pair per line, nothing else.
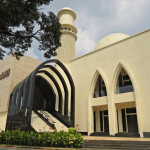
98, 18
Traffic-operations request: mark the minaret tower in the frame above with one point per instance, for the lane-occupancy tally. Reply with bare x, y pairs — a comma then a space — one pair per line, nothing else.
66, 52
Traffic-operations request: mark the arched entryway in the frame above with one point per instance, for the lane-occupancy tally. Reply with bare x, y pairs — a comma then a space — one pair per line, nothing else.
35, 92
44, 95
126, 112
126, 99
98, 114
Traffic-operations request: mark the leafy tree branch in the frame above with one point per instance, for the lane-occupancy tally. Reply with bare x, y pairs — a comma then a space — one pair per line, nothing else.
17, 27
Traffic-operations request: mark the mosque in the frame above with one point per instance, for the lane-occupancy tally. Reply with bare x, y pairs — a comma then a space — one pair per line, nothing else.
105, 91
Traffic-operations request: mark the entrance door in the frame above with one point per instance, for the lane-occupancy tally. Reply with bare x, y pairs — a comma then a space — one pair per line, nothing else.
94, 119
129, 120
132, 123
106, 124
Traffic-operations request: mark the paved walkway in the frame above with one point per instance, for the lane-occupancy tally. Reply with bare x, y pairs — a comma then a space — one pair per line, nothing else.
52, 149
42, 148
7, 148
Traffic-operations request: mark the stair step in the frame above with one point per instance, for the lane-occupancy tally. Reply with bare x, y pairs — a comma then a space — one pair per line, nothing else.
137, 144
125, 142
117, 145
122, 134
107, 147
113, 144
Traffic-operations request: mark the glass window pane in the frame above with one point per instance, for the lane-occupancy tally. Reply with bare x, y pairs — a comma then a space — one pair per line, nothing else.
126, 77
105, 112
11, 97
101, 120
127, 83
103, 83
130, 110
123, 119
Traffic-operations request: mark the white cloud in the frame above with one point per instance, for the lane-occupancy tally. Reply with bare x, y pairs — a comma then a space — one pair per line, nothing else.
130, 12
86, 32
121, 16
84, 44
30, 53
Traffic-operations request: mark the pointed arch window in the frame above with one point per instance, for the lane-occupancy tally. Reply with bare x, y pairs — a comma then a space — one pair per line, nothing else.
124, 83
100, 88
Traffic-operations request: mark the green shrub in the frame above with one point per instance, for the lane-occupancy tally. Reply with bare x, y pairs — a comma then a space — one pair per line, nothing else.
46, 139
75, 138
72, 130
2, 139
78, 140
64, 139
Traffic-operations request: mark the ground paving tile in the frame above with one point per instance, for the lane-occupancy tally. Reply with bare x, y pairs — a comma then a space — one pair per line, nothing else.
13, 148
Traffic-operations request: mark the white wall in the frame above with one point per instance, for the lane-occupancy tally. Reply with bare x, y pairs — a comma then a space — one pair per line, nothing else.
3, 119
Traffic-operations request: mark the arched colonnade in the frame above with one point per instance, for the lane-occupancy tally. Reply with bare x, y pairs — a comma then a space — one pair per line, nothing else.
110, 98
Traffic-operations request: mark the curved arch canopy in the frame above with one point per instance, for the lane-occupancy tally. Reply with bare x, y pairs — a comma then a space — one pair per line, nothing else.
23, 95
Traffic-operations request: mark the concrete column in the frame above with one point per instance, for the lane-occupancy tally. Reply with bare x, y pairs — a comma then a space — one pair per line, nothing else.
120, 120
112, 115
89, 118
97, 121
92, 121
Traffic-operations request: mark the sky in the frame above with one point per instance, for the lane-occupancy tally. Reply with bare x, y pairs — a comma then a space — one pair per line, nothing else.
99, 18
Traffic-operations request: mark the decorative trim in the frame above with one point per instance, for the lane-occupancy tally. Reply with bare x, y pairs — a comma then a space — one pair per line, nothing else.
66, 11
69, 32
5, 74
73, 28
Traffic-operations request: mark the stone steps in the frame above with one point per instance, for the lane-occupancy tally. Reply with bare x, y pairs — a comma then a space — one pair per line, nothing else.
116, 148
112, 144
121, 134
100, 134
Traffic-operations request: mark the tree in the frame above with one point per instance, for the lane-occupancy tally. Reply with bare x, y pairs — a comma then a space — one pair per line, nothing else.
17, 27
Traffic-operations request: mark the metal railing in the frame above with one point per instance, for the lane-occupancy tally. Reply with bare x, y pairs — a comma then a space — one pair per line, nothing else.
124, 89
45, 114
99, 94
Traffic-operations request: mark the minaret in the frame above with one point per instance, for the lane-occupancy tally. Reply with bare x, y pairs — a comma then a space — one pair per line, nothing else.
66, 52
